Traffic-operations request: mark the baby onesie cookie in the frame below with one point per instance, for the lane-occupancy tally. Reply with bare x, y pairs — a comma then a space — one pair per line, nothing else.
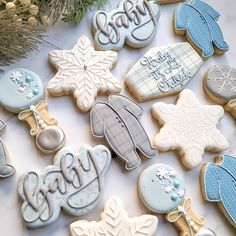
83, 72
118, 121
218, 184
6, 169
163, 71
115, 221
22, 92
133, 22
198, 21
74, 183
162, 190
220, 85
189, 128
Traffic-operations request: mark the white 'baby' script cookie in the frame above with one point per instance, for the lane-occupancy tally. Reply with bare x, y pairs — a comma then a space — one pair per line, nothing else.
163, 71
83, 72
74, 183
115, 221
189, 128
133, 22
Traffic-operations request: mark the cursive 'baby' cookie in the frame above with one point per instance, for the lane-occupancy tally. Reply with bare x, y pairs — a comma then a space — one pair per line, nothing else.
162, 190
163, 71
198, 21
189, 128
218, 184
22, 92
83, 72
115, 221
6, 169
133, 22
220, 85
118, 121
73, 183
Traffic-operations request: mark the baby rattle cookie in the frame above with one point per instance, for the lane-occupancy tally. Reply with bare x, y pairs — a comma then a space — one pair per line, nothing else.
22, 92
74, 183
189, 128
162, 190
115, 221
118, 121
83, 72
163, 71
6, 169
218, 184
198, 21
133, 22
220, 85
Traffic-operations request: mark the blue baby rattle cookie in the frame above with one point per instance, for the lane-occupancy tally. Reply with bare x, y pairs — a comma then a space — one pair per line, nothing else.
162, 190
22, 92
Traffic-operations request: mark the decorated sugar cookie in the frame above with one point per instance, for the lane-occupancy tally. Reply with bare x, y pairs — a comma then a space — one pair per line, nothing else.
189, 128
115, 221
83, 72
118, 121
22, 92
220, 85
218, 184
6, 169
162, 190
163, 71
198, 21
74, 183
133, 22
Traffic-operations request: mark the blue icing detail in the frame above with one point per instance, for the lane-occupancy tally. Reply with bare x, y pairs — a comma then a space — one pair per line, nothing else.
199, 20
157, 189
19, 89
220, 184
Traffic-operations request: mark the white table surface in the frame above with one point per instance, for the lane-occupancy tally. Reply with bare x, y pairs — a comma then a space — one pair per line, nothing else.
118, 182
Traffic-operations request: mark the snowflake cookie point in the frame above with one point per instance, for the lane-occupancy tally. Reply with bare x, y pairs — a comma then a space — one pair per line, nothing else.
190, 128
115, 219
83, 72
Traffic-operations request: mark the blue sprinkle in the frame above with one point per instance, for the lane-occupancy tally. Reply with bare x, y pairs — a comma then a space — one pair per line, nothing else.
36, 91
174, 197
28, 78
176, 183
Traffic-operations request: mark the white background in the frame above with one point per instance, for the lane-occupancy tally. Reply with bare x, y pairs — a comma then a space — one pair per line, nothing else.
25, 156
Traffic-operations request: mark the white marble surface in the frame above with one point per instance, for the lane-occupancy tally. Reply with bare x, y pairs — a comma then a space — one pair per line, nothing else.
76, 126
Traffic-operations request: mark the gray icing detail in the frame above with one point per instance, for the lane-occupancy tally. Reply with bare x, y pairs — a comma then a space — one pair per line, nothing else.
6, 169
221, 82
133, 22
205, 232
74, 183
118, 121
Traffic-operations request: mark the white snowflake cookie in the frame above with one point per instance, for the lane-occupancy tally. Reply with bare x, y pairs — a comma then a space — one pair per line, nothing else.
189, 128
115, 221
83, 72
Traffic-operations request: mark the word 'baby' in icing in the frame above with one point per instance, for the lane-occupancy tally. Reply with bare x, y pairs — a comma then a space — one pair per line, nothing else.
163, 71
162, 190
134, 22
115, 221
73, 183
219, 184
199, 21
6, 169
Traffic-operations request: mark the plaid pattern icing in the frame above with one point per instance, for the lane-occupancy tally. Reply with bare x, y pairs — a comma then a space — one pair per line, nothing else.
163, 71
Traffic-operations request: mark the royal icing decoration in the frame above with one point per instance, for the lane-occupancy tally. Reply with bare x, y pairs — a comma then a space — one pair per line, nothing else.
115, 221
73, 183
21, 91
118, 121
199, 21
6, 169
163, 71
133, 22
189, 127
152, 186
220, 85
219, 184
83, 72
